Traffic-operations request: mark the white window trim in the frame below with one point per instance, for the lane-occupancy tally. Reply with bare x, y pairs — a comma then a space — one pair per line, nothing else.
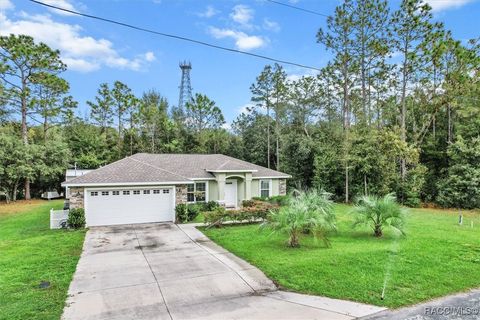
269, 187
195, 189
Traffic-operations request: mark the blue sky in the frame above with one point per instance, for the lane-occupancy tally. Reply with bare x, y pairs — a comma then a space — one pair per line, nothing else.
98, 52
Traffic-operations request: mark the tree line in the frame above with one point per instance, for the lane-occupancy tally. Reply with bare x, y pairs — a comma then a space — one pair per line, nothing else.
396, 109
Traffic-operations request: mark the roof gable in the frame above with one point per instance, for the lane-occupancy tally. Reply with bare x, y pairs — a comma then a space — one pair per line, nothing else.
181, 168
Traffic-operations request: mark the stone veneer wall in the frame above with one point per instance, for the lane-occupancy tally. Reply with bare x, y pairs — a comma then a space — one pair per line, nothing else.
76, 198
180, 194
282, 187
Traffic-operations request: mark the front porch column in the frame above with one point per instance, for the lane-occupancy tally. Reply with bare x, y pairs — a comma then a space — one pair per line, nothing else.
221, 186
248, 186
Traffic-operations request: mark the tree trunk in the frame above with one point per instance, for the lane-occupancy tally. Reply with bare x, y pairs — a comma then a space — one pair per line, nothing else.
346, 182
403, 113
449, 124
365, 184
27, 189
277, 143
45, 128
119, 146
378, 231
268, 136
24, 131
293, 240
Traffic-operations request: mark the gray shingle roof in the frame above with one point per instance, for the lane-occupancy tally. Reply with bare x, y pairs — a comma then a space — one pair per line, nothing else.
151, 168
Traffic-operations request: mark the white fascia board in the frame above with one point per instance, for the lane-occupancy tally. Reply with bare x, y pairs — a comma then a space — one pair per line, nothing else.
231, 171
202, 179
120, 184
271, 177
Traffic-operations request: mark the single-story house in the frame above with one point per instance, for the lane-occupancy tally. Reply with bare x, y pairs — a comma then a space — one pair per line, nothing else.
146, 187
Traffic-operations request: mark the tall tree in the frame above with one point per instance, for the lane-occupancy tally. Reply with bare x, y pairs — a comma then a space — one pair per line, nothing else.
279, 95
101, 111
338, 38
262, 91
23, 64
410, 27
202, 113
369, 19
123, 101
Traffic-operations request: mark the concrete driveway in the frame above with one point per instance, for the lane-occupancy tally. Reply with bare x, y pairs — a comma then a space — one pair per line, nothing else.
165, 271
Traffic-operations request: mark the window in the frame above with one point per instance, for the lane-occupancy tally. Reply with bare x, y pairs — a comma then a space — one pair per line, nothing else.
115, 193
105, 193
156, 191
94, 193
126, 192
191, 193
264, 188
136, 191
146, 191
197, 192
166, 191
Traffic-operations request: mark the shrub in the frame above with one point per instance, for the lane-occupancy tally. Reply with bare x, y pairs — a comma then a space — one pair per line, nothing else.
76, 218
379, 213
215, 216
248, 203
210, 206
311, 211
188, 212
280, 200
181, 212
255, 210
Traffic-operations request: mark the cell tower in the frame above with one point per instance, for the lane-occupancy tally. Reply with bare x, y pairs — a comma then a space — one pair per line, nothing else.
185, 85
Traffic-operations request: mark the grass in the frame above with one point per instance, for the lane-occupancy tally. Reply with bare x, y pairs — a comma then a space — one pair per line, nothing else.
437, 257
32, 253
199, 218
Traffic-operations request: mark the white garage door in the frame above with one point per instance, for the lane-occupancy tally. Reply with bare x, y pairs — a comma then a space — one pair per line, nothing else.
126, 206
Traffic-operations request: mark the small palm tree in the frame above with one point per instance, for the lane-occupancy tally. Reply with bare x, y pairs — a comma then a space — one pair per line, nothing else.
379, 213
311, 211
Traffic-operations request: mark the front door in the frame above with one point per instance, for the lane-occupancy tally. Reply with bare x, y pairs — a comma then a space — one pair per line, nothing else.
231, 193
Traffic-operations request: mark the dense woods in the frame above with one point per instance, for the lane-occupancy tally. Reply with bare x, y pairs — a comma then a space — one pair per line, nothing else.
396, 109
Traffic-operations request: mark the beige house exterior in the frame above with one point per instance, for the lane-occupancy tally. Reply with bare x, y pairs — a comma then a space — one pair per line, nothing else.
147, 187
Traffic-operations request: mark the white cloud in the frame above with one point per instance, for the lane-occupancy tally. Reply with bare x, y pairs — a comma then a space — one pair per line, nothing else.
439, 5
150, 56
243, 41
6, 4
65, 4
246, 108
209, 12
270, 25
242, 15
81, 53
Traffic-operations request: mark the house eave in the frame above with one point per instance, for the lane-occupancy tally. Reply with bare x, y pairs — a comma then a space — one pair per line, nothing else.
231, 171
121, 184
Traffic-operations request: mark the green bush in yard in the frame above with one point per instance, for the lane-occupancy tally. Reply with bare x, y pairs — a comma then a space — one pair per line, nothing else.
188, 212
279, 200
310, 211
252, 210
76, 218
379, 213
210, 206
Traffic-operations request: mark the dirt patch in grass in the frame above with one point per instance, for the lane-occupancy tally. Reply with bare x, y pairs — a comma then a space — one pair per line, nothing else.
19, 206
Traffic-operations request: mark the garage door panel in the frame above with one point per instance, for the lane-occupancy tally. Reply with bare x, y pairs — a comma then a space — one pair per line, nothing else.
103, 207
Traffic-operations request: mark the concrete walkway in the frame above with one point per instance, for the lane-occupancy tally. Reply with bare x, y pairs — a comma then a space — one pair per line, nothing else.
165, 271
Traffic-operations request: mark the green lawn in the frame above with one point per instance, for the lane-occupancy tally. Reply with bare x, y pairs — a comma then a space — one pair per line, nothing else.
31, 253
437, 257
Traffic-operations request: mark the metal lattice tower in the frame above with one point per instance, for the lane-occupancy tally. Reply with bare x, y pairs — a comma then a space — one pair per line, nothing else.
185, 85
